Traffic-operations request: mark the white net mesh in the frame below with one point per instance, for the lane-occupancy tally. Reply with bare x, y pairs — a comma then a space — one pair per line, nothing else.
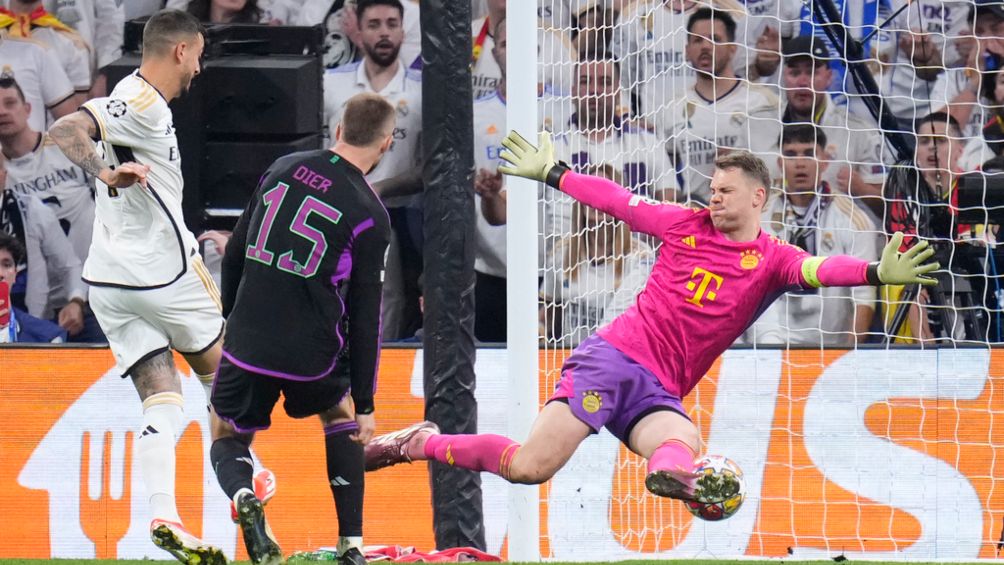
631, 95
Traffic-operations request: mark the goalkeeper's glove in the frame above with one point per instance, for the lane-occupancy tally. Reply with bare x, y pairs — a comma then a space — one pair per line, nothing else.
907, 267
525, 160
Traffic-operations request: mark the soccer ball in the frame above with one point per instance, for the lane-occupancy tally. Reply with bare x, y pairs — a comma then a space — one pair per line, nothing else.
720, 480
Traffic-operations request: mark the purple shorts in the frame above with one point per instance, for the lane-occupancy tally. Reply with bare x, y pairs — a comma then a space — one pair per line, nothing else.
604, 387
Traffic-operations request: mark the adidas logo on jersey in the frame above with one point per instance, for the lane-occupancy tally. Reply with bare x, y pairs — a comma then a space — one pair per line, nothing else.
690, 241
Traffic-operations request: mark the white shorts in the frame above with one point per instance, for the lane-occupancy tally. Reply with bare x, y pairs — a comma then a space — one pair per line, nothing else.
185, 316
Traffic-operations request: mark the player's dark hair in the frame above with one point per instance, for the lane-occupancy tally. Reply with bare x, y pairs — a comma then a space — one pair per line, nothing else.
363, 5
365, 119
952, 126
12, 245
802, 133
753, 166
9, 82
249, 14
167, 28
713, 14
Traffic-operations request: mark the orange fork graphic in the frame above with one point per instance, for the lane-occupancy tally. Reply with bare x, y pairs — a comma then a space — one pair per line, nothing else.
106, 520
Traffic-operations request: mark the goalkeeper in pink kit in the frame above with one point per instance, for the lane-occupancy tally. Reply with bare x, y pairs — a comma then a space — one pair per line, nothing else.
716, 272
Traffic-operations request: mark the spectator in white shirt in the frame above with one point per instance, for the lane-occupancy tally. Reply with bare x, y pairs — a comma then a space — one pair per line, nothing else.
40, 76
810, 214
29, 19
102, 25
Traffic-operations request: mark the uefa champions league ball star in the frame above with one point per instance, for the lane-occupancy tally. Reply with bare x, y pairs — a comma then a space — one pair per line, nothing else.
721, 487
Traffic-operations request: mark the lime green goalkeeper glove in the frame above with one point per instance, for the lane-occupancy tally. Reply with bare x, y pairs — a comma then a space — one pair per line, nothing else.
526, 160
907, 267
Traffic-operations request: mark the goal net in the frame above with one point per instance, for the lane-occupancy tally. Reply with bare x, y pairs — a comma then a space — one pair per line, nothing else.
866, 421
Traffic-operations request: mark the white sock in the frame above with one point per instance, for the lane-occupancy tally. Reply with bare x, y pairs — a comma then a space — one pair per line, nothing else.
207, 385
346, 543
243, 490
162, 419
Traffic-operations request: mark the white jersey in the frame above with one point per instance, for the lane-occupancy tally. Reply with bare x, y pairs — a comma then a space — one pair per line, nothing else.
45, 172
100, 22
650, 39
72, 52
485, 72
489, 130
140, 239
850, 142
404, 92
908, 96
745, 117
39, 74
944, 21
596, 295
824, 316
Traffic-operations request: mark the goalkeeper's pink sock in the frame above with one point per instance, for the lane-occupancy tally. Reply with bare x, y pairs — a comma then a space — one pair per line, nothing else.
483, 452
672, 455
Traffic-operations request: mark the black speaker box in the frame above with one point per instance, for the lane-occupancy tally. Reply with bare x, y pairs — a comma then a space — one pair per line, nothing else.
278, 95
231, 169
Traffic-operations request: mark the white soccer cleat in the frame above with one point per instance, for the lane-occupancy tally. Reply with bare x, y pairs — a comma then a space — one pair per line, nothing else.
173, 538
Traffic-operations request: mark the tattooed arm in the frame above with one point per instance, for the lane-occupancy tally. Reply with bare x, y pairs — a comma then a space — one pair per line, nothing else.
74, 133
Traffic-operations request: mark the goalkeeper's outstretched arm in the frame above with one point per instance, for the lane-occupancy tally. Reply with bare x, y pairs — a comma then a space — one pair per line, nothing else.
537, 163
909, 267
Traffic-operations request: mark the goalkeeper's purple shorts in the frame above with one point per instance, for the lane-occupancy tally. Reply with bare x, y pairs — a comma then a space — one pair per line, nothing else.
605, 387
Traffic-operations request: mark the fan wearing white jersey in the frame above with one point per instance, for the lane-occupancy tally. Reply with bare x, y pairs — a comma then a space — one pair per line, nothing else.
490, 231
149, 288
36, 166
44, 82
651, 39
383, 72
598, 135
811, 214
721, 112
854, 145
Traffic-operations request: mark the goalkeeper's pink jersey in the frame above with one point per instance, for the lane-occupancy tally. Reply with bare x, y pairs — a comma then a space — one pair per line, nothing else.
704, 290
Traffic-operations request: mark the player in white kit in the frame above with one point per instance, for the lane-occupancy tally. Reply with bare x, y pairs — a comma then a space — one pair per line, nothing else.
149, 289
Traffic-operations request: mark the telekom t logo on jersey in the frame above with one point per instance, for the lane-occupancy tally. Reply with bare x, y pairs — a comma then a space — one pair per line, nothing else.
700, 287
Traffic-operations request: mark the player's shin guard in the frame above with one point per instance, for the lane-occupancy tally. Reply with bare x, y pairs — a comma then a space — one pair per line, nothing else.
346, 477
162, 420
231, 459
483, 452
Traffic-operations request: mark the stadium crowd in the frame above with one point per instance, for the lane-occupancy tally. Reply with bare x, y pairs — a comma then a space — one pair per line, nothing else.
647, 93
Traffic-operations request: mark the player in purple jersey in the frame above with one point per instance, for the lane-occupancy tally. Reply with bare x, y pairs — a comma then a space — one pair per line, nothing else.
716, 272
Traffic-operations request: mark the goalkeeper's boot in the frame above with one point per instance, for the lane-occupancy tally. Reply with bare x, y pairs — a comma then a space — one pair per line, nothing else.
393, 448
672, 483
258, 537
680, 484
264, 489
173, 538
